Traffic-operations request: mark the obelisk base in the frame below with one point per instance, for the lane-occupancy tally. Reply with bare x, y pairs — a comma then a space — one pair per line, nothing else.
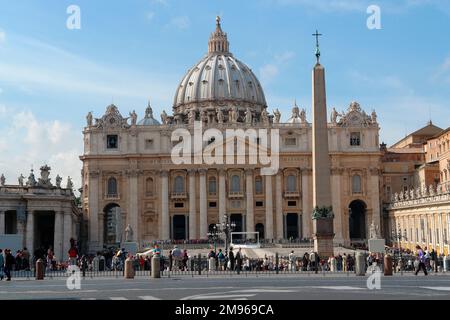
323, 237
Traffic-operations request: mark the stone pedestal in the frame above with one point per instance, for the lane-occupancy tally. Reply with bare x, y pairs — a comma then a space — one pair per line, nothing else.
323, 237
129, 270
156, 266
131, 247
377, 245
360, 264
212, 264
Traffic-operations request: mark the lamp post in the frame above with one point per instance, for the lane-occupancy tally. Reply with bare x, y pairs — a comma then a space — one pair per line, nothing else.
214, 235
397, 235
227, 228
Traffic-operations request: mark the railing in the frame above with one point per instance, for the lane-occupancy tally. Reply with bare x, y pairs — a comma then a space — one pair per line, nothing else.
178, 195
235, 194
291, 194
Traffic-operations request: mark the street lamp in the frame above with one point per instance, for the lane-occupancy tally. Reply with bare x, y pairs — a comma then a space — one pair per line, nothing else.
397, 235
213, 234
227, 228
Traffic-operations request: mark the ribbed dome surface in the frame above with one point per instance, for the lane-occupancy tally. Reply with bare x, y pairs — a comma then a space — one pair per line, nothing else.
219, 77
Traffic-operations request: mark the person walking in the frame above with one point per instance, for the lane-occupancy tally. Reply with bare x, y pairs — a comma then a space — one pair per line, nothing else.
2, 265
292, 259
231, 259
221, 259
9, 262
422, 259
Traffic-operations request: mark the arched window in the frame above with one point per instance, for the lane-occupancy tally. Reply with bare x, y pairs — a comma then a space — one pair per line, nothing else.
212, 186
291, 185
356, 184
149, 186
258, 185
112, 187
179, 184
235, 183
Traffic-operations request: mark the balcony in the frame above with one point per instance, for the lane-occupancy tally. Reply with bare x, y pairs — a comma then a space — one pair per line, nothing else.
291, 194
112, 197
236, 195
179, 195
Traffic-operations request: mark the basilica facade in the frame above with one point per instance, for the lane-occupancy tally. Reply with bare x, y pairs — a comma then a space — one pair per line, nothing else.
131, 182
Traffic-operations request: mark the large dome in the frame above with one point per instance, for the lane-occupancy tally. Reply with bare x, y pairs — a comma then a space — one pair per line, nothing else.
219, 79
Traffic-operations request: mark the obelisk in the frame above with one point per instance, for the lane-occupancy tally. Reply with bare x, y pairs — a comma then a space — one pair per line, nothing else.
322, 209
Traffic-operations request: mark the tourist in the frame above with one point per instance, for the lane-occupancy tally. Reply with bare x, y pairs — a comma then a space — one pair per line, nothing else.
434, 260
292, 259
170, 260
2, 265
9, 262
49, 258
26, 259
73, 254
221, 259
185, 260
231, 259
421, 257
305, 262
239, 260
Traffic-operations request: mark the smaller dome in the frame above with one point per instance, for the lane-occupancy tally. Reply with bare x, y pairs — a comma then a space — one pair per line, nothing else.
148, 119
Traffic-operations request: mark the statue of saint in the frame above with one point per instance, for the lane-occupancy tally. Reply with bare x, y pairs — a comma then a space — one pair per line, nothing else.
191, 116
265, 117
133, 116
69, 184
373, 231
58, 181
21, 179
232, 115
31, 179
89, 119
2, 179
248, 116
277, 116
374, 117
220, 116
303, 115
334, 116
164, 117
128, 233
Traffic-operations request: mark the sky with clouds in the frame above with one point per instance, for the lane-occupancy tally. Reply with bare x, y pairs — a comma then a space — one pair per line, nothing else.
127, 52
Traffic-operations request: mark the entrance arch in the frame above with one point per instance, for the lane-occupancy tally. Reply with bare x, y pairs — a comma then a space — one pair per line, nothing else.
357, 220
292, 226
112, 227
179, 227
260, 228
237, 219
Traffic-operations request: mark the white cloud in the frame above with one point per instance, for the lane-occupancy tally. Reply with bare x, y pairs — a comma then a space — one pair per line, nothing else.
270, 71
150, 15
181, 22
2, 36
28, 141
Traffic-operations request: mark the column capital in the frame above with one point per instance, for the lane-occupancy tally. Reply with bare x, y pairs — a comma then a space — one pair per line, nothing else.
337, 171
192, 172
164, 173
133, 173
306, 171
222, 172
249, 172
202, 172
94, 173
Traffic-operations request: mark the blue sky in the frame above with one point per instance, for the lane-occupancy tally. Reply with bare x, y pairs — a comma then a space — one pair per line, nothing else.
131, 51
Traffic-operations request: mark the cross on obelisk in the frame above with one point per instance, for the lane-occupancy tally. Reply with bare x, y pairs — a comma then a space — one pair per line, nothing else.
317, 35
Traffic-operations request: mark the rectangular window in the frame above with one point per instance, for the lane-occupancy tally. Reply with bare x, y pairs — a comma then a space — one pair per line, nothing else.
355, 139
179, 205
213, 204
149, 144
112, 141
259, 204
292, 203
290, 141
11, 222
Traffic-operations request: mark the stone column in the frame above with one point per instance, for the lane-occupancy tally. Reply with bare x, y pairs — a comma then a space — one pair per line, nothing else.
222, 195
192, 208
164, 216
203, 206
58, 237
94, 199
133, 214
279, 206
306, 203
433, 231
269, 208
441, 233
374, 192
337, 205
67, 232
30, 232
250, 223
2, 222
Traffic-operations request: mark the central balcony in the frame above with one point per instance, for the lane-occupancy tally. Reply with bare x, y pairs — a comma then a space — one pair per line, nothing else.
291, 194
236, 195
178, 195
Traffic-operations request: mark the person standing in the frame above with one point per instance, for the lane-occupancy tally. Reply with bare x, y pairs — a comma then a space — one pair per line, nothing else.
422, 259
292, 259
26, 259
239, 260
434, 260
2, 264
231, 257
9, 262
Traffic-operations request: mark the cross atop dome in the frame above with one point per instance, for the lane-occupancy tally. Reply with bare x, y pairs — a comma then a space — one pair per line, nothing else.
218, 41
